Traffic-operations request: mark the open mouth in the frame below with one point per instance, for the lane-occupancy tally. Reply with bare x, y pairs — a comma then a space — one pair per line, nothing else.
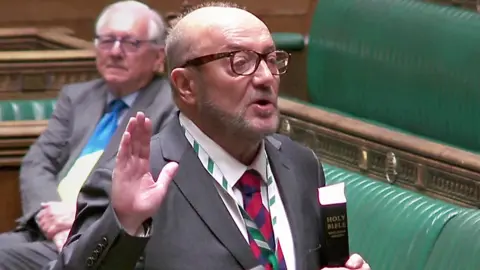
263, 102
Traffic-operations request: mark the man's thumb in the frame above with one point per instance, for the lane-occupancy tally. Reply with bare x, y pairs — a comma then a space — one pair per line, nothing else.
167, 174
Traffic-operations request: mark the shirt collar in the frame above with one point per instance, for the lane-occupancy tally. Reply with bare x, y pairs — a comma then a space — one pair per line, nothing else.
231, 168
128, 99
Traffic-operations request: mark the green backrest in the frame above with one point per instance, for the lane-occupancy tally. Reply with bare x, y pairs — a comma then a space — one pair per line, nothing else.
407, 64
18, 110
289, 42
392, 228
458, 247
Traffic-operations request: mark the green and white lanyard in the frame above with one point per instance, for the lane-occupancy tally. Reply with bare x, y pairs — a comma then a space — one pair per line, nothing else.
272, 193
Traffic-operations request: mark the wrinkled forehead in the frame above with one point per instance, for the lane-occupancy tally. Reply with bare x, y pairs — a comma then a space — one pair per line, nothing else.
125, 24
254, 37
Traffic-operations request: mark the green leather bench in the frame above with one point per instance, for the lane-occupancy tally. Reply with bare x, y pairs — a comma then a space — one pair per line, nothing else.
20, 110
405, 64
458, 246
396, 229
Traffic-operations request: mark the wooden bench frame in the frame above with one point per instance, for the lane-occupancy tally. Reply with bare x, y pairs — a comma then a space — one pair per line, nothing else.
430, 168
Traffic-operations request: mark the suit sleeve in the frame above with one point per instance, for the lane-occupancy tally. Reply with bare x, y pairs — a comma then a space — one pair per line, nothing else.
97, 239
320, 172
44, 159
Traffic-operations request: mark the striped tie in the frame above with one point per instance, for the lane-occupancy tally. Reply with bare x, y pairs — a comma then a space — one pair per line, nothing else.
258, 222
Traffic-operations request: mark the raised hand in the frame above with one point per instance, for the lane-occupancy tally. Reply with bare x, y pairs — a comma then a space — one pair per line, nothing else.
135, 194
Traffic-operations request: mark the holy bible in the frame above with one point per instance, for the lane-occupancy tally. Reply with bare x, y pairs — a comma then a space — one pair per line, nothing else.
333, 204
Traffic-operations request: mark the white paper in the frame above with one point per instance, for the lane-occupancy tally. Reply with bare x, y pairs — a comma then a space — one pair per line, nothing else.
332, 194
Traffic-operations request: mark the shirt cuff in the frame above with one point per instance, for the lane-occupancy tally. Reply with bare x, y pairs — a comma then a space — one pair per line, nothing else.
145, 229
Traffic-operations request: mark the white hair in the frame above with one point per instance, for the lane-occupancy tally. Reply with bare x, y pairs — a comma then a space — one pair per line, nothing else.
156, 25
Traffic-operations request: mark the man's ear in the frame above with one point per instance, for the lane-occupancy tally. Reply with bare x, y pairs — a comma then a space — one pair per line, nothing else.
160, 61
181, 79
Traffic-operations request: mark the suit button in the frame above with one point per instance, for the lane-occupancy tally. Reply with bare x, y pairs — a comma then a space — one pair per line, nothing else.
90, 261
104, 241
141, 258
100, 247
95, 254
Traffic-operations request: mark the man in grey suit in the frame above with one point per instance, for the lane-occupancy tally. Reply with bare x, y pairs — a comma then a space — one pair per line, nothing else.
216, 188
85, 130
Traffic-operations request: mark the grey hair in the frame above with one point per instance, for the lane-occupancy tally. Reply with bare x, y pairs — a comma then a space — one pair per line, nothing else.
156, 26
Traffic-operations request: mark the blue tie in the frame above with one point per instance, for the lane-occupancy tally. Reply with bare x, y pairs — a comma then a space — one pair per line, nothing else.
105, 128
71, 184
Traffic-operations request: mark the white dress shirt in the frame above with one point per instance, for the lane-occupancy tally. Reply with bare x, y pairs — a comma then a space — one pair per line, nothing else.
232, 170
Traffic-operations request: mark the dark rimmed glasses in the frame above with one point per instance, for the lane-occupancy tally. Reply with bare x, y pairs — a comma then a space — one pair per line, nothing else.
246, 62
129, 44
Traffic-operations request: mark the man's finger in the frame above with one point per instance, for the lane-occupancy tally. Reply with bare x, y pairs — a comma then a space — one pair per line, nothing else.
124, 149
145, 136
45, 204
166, 175
354, 262
137, 134
41, 214
159, 188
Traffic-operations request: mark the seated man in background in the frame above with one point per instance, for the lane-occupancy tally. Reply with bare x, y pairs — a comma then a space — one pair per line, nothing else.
216, 189
85, 130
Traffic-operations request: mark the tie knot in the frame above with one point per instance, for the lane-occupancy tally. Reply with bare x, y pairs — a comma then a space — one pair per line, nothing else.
250, 182
116, 105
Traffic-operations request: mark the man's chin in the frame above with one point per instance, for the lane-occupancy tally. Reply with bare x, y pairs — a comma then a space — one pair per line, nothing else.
265, 126
114, 78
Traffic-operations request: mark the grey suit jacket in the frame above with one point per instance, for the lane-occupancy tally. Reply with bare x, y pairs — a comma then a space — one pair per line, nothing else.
193, 229
77, 111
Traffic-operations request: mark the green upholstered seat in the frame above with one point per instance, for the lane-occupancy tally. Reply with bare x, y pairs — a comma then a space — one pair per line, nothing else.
289, 42
402, 63
458, 246
18, 110
393, 228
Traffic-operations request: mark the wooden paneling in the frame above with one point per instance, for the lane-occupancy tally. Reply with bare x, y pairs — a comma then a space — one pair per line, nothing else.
15, 139
33, 74
34, 38
10, 208
80, 15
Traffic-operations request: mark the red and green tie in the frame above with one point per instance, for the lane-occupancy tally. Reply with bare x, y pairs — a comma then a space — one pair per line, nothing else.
258, 222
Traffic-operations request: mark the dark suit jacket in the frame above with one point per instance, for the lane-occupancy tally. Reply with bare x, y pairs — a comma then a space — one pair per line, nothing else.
77, 111
193, 229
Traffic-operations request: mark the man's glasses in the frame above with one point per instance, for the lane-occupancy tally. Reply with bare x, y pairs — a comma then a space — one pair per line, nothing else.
128, 44
246, 62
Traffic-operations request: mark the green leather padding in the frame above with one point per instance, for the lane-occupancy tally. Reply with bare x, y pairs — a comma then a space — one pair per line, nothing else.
18, 110
459, 244
392, 228
289, 42
404, 63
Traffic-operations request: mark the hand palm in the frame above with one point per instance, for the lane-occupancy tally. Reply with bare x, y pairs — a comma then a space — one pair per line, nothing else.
135, 194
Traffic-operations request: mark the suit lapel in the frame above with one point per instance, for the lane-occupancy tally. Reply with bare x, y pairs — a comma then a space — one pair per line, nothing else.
289, 192
197, 186
84, 126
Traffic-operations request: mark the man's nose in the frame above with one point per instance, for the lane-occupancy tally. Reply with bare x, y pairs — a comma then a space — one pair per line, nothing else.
116, 48
263, 75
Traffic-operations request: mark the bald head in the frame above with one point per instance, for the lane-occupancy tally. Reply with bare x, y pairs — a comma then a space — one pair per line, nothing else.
206, 29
